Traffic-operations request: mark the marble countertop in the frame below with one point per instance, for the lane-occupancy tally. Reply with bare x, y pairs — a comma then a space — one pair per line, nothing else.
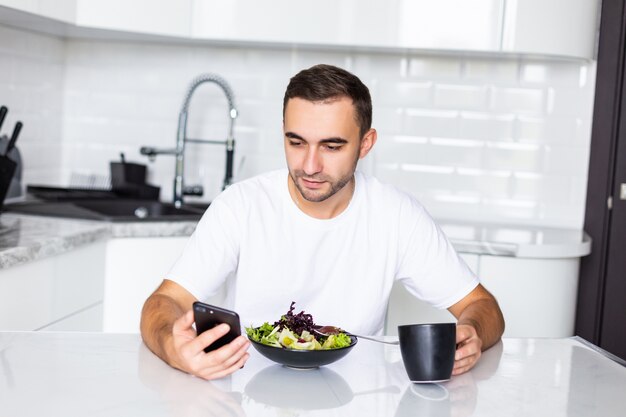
88, 374
25, 238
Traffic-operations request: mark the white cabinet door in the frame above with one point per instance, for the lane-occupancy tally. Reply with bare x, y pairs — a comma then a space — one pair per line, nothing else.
134, 269
404, 308
441, 24
161, 17
30, 6
38, 293
537, 296
64, 10
551, 27
87, 320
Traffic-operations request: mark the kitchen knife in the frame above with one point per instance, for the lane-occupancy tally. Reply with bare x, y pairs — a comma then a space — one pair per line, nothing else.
3, 113
16, 132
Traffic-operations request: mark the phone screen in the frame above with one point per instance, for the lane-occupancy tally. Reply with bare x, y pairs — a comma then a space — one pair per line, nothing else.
207, 316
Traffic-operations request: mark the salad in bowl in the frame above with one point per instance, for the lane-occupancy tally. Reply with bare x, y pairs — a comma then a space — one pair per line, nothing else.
292, 341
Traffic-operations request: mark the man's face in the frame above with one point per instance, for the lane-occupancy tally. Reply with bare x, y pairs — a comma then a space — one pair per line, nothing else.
322, 146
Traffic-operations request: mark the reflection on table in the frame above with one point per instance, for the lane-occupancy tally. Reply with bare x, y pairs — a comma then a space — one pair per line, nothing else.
78, 374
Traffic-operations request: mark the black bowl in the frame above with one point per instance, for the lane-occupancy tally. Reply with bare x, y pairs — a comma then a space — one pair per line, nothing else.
303, 359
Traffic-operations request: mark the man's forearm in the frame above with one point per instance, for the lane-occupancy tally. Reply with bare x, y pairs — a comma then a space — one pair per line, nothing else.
157, 319
486, 317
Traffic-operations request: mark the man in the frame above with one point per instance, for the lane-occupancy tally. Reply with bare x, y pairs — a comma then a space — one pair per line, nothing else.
320, 233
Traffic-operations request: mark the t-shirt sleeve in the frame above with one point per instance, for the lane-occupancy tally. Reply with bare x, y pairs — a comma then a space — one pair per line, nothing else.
211, 253
429, 267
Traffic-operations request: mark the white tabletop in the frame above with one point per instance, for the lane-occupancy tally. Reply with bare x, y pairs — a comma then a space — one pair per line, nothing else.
97, 374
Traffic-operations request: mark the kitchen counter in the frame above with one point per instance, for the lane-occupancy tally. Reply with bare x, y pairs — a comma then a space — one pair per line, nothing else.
88, 374
25, 238
518, 241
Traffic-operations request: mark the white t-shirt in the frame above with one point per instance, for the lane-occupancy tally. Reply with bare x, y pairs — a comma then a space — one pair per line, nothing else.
269, 253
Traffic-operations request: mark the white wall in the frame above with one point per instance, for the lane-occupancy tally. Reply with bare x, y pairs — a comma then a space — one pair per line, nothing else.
499, 140
31, 86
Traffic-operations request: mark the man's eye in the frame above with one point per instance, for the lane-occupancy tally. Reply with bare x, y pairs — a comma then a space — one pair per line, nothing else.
295, 143
333, 147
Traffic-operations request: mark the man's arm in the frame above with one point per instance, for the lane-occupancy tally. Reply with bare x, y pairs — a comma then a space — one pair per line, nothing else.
166, 328
480, 325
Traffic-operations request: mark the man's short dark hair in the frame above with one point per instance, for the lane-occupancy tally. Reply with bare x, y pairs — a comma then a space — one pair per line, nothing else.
326, 82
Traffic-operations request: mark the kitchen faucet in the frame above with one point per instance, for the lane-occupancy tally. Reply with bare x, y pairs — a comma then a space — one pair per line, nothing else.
181, 138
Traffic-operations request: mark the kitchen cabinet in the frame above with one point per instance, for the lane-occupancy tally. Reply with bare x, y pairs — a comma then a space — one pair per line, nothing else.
445, 24
52, 290
157, 17
88, 319
134, 269
551, 27
30, 6
63, 10
537, 296
557, 28
544, 27
404, 308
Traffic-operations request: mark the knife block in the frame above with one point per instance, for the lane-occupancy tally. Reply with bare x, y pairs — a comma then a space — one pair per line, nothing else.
7, 170
128, 180
123, 173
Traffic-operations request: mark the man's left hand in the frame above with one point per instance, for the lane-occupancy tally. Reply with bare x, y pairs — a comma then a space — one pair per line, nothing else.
468, 349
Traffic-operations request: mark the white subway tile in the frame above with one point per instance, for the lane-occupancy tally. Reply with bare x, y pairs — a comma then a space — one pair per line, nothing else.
534, 73
519, 100
387, 120
303, 59
501, 72
7, 62
461, 97
571, 101
552, 73
411, 153
578, 188
485, 184
456, 152
512, 156
475, 125
541, 187
377, 66
432, 123
484, 139
567, 160
404, 93
560, 215
435, 68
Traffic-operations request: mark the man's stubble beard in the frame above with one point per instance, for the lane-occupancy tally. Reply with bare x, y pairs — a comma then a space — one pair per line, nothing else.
335, 186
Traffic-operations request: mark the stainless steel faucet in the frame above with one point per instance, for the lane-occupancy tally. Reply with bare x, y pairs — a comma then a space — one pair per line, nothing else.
181, 138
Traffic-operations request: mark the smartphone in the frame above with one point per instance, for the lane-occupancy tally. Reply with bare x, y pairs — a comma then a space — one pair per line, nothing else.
207, 316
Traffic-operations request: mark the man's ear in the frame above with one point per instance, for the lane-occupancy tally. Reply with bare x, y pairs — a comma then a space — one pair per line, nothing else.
367, 143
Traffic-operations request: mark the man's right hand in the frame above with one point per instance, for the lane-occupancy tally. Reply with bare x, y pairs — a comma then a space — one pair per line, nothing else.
187, 350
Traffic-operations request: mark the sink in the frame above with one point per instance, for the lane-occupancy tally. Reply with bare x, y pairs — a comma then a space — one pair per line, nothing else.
114, 210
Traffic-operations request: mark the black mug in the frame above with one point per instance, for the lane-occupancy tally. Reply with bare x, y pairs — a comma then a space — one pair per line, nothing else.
428, 351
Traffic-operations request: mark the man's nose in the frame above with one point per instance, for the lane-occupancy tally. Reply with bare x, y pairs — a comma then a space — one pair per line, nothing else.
313, 162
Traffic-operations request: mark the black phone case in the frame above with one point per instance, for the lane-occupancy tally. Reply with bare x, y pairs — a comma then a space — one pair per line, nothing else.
207, 316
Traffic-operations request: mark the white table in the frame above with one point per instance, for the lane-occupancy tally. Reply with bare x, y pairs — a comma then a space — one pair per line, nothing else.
97, 374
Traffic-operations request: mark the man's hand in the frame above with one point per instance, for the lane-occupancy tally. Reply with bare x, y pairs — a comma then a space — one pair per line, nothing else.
480, 325
468, 349
188, 353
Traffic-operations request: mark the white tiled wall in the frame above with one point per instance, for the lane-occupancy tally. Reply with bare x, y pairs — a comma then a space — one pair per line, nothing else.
499, 140
31, 86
